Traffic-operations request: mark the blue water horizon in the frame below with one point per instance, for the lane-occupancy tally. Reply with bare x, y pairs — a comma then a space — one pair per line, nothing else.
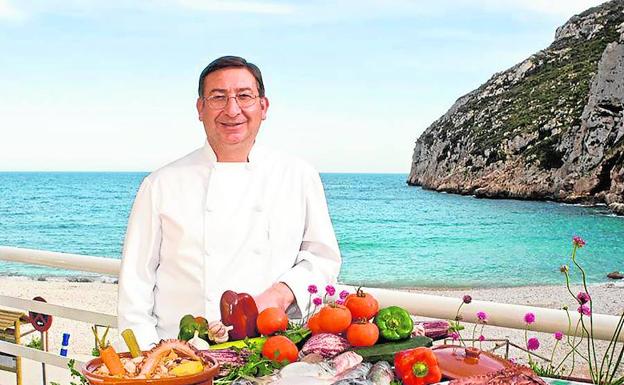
390, 234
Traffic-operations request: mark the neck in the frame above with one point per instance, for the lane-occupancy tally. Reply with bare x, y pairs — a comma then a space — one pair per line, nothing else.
234, 153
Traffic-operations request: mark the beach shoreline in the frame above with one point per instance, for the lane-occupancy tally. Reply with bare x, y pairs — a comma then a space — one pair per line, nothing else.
102, 297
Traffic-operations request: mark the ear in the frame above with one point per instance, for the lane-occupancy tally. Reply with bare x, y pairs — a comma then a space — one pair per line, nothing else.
264, 105
200, 105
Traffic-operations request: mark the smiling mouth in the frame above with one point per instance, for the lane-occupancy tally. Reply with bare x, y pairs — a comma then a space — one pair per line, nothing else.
233, 124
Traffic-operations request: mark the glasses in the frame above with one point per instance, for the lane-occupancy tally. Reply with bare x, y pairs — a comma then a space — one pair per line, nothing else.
218, 102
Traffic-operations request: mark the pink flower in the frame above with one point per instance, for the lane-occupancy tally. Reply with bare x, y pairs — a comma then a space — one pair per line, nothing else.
454, 336
481, 338
578, 241
482, 316
317, 301
330, 290
558, 336
339, 302
529, 318
467, 299
583, 297
533, 343
584, 310
344, 294
312, 289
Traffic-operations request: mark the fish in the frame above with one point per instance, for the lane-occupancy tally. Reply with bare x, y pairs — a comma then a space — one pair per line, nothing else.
321, 370
360, 371
354, 381
346, 361
381, 373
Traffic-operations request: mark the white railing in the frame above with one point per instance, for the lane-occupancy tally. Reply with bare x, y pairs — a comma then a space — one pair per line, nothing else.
425, 305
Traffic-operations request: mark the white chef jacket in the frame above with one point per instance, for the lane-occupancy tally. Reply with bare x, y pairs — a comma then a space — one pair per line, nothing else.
199, 227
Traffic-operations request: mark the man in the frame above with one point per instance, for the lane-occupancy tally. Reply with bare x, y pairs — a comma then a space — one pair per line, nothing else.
231, 215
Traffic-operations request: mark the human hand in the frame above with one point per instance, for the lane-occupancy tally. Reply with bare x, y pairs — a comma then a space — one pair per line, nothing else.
278, 295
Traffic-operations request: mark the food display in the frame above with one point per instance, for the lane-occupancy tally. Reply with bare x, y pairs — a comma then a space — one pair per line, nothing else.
169, 359
350, 341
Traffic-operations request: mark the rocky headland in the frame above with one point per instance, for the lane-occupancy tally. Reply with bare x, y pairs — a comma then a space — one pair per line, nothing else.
549, 128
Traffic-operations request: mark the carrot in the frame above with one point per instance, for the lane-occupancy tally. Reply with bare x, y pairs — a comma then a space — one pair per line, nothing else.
111, 359
109, 356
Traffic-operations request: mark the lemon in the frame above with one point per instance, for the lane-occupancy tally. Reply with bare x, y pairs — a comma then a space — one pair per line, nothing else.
187, 368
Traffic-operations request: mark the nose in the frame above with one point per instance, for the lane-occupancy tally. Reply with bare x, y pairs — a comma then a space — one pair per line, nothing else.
231, 107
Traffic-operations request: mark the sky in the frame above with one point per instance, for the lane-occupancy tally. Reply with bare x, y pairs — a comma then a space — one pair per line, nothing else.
88, 85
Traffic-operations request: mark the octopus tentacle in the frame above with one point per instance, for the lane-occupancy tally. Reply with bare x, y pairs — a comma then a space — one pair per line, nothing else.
155, 355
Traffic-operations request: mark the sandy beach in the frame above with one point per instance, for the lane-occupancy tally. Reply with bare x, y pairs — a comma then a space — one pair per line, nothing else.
102, 297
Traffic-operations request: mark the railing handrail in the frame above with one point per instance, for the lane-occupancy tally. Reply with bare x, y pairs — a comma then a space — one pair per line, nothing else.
36, 355
426, 305
100, 265
87, 316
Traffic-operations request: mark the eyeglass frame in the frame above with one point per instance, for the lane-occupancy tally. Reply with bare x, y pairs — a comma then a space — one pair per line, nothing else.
227, 99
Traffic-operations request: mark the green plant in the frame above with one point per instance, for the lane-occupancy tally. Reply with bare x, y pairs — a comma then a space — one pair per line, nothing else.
75, 374
35, 343
602, 369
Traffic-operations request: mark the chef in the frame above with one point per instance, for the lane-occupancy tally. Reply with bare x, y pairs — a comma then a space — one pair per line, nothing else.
231, 215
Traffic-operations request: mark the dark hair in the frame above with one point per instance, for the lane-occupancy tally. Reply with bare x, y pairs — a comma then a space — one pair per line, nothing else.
229, 62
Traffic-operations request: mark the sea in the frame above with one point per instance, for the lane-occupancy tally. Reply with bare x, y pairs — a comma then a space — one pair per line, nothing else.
390, 234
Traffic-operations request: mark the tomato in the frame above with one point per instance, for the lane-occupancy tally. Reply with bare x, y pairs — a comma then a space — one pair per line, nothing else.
362, 305
271, 320
314, 324
362, 334
280, 348
334, 318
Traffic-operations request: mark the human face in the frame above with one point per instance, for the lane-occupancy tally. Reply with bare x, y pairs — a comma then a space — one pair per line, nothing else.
231, 128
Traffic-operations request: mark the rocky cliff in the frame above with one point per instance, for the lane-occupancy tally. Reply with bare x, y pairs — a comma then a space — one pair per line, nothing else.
551, 127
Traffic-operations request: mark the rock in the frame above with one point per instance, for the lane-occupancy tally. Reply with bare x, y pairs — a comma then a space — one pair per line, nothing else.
615, 275
550, 127
617, 208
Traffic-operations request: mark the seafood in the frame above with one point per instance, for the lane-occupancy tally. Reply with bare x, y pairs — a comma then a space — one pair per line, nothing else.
353, 381
320, 370
346, 361
154, 357
360, 372
381, 373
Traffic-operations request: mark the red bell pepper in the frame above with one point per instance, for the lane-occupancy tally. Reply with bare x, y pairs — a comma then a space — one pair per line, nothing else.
240, 311
417, 366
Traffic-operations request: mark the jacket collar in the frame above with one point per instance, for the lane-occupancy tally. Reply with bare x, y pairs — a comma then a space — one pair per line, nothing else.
254, 155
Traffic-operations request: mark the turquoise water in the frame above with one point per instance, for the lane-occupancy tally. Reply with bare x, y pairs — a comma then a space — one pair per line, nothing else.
390, 234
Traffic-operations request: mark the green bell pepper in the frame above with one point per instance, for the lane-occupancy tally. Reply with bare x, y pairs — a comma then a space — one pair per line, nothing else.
190, 324
394, 323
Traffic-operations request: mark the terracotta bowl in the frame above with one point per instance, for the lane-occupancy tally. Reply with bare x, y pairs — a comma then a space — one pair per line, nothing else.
458, 361
203, 378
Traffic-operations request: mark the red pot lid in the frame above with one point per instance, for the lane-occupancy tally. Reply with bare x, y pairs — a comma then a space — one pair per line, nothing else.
459, 361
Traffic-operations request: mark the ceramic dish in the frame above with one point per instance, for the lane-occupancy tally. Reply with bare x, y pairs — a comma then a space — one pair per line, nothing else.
203, 378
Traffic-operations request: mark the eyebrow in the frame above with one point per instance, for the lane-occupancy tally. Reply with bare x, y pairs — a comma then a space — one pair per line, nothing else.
224, 90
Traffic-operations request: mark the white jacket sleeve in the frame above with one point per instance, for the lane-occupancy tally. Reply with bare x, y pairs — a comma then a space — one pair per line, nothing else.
137, 277
318, 261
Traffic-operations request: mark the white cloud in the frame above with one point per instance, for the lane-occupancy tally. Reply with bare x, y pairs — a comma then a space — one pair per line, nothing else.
9, 12
238, 6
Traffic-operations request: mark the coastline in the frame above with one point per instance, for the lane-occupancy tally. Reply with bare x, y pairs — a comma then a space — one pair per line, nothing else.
102, 297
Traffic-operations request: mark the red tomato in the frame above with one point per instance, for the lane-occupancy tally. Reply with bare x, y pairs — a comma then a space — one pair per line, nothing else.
280, 348
314, 324
334, 318
362, 334
362, 305
271, 320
